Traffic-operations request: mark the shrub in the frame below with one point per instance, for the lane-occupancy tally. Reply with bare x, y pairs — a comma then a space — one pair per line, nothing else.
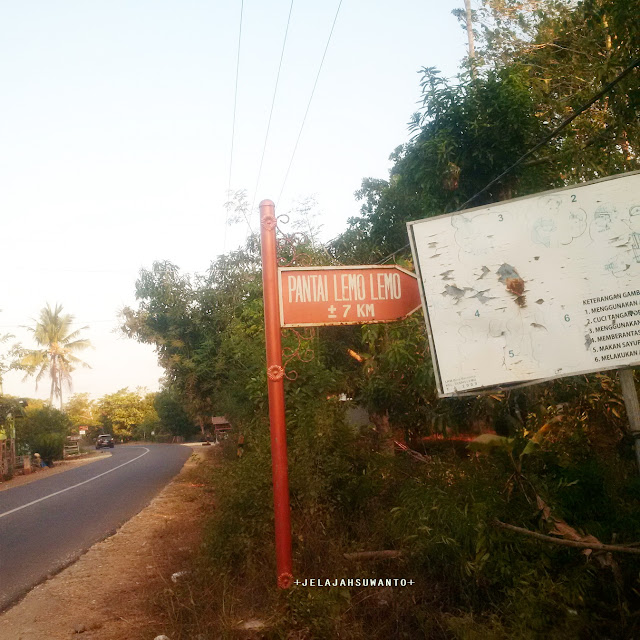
50, 446
44, 431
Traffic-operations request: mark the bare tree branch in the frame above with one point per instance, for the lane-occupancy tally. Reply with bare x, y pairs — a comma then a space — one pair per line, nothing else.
567, 543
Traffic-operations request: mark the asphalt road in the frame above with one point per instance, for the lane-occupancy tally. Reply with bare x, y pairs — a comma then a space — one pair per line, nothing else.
45, 525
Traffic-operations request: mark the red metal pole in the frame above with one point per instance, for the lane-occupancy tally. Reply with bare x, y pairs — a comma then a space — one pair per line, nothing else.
275, 381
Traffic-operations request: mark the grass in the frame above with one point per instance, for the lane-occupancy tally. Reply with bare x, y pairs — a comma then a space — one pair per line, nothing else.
470, 579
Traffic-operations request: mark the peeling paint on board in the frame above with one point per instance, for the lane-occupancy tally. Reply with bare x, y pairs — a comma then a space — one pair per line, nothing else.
482, 299
575, 252
507, 272
454, 292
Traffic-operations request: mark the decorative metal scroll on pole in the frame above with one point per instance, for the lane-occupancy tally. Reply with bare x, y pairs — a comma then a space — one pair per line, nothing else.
275, 381
301, 351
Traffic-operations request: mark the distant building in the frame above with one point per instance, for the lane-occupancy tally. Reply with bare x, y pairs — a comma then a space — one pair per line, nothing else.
221, 427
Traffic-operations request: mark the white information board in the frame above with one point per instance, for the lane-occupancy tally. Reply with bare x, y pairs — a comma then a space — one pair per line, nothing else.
535, 288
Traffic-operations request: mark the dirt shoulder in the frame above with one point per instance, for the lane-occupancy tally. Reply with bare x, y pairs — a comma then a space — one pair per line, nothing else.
103, 596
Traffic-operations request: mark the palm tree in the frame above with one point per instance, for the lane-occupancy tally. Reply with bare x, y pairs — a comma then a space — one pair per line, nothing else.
56, 357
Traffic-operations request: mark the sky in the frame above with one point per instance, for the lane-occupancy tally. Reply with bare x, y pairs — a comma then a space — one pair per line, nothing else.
117, 129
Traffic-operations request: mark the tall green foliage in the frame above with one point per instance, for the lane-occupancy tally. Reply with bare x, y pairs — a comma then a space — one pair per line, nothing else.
564, 457
171, 415
539, 65
208, 330
81, 410
122, 412
43, 430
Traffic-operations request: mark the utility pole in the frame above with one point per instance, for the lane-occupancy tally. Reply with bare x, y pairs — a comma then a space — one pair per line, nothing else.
472, 48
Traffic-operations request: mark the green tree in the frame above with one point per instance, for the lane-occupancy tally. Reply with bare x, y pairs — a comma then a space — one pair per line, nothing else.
173, 418
121, 412
81, 410
541, 60
150, 427
171, 318
456, 150
52, 332
209, 331
187, 319
437, 510
397, 377
538, 61
570, 52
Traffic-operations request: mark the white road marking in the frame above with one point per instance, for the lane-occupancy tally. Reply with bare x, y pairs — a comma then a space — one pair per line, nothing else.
56, 493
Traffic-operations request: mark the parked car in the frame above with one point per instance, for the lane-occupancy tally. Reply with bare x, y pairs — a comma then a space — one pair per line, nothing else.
105, 440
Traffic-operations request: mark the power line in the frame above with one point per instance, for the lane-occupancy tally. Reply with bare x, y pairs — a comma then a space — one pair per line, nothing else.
395, 253
273, 101
233, 126
568, 120
310, 99
47, 270
83, 322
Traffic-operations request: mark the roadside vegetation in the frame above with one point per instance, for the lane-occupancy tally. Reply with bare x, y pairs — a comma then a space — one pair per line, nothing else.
29, 425
554, 459
127, 415
451, 490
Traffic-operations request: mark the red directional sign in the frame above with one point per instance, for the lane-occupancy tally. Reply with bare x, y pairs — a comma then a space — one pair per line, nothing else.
319, 296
